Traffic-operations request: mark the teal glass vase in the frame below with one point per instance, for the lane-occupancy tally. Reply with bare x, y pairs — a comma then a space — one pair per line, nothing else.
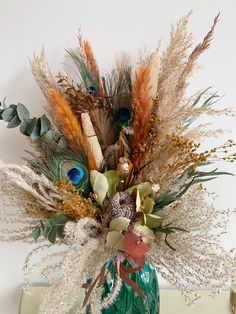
128, 301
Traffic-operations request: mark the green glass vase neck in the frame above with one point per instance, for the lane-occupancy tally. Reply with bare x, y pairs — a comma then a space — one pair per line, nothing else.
128, 301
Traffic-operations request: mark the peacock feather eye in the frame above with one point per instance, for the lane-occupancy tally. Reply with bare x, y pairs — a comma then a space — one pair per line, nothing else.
92, 91
123, 116
76, 173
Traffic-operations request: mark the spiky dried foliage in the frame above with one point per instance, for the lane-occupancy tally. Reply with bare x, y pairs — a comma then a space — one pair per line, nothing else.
119, 83
78, 98
199, 262
70, 125
84, 240
42, 73
142, 104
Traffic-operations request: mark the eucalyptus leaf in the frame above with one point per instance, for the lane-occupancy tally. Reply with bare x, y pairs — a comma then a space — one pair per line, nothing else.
26, 127
14, 122
36, 233
52, 234
45, 125
35, 135
22, 112
8, 114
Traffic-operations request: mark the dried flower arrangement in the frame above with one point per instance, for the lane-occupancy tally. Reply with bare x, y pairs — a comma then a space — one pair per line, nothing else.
116, 181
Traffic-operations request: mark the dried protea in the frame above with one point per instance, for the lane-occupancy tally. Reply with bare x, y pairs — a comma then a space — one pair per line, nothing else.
120, 205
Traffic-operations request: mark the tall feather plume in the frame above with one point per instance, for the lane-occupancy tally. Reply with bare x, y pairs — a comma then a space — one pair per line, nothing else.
70, 125
120, 83
198, 50
142, 104
42, 73
172, 109
92, 65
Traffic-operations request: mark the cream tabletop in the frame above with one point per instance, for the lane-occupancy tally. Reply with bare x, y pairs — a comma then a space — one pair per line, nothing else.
171, 302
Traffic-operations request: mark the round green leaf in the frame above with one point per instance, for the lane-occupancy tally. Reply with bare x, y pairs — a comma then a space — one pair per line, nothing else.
22, 112
14, 122
119, 224
114, 240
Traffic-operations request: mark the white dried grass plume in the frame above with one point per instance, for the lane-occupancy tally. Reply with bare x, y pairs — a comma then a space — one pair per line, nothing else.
200, 261
21, 187
42, 73
84, 259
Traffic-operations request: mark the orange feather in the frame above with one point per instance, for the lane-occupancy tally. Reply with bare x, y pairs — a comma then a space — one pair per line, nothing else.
92, 65
142, 104
69, 124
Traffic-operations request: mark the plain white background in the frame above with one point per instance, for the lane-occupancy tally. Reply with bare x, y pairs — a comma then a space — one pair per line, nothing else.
111, 26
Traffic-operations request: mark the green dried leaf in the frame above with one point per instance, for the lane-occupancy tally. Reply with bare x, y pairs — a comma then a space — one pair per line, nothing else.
9, 113
148, 205
45, 125
36, 233
35, 135
22, 112
52, 234
153, 221
14, 122
100, 185
113, 182
26, 127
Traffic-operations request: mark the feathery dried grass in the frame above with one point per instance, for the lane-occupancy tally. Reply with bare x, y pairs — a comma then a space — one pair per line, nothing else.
70, 125
42, 73
190, 65
199, 262
78, 265
142, 104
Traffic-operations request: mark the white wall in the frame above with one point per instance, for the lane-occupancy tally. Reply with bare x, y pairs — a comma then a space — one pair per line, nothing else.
111, 26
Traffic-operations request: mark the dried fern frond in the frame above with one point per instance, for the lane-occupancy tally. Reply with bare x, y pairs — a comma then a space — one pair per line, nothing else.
78, 98
42, 73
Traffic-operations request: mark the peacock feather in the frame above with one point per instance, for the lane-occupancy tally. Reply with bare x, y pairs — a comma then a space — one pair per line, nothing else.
58, 163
